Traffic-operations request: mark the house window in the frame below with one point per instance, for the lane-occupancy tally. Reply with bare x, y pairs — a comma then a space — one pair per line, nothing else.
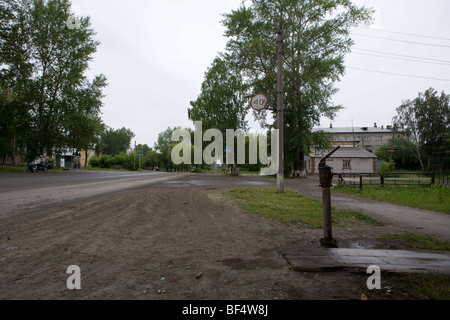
369, 148
367, 138
379, 138
335, 138
347, 138
346, 164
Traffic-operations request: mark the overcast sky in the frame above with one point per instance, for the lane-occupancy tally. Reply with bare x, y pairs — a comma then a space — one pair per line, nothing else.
155, 53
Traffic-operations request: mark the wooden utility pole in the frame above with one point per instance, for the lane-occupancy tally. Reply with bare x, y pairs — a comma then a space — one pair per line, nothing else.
134, 165
280, 108
392, 144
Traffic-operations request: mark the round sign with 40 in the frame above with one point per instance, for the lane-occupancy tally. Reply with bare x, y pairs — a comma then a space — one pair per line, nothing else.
259, 102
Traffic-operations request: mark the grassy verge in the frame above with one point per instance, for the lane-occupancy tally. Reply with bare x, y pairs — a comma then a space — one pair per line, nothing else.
13, 169
416, 241
290, 207
21, 169
434, 198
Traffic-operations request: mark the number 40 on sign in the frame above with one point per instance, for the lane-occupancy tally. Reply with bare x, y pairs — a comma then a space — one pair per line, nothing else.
259, 102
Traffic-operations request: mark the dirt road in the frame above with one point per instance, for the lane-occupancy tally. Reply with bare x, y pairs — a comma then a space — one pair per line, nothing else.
164, 241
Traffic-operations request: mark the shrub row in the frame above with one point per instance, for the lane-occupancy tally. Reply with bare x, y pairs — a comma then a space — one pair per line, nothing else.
123, 160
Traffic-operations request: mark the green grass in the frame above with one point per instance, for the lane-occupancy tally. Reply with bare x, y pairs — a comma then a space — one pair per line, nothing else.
290, 207
436, 198
417, 241
21, 169
13, 169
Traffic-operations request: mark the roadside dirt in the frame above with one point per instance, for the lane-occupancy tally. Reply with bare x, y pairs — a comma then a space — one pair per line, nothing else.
162, 242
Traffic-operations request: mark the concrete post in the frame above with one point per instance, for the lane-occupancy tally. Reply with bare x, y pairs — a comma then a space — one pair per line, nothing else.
280, 111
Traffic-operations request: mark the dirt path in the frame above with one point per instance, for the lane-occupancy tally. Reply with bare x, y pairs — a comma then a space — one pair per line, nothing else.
186, 243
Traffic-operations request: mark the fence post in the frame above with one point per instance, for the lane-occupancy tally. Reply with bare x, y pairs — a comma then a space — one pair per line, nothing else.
360, 182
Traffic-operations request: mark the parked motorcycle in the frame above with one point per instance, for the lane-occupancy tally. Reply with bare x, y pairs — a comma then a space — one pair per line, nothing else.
34, 167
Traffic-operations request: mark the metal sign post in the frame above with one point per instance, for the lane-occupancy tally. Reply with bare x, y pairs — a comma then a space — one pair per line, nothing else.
140, 155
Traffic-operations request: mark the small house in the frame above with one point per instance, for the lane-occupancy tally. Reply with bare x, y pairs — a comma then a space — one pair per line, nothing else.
344, 160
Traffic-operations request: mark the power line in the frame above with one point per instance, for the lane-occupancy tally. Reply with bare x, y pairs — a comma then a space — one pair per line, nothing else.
405, 41
398, 74
406, 33
403, 59
402, 55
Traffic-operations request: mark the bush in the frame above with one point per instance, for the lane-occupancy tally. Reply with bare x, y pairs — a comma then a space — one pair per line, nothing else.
50, 162
94, 162
386, 167
198, 170
106, 161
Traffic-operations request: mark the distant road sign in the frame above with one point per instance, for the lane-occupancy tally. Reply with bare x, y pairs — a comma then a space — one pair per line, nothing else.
393, 151
259, 102
140, 154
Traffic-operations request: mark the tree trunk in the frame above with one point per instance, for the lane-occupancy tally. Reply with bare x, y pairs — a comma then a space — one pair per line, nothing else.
86, 158
299, 165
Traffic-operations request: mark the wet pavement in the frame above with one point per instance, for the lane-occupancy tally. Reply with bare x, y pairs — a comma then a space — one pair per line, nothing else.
320, 259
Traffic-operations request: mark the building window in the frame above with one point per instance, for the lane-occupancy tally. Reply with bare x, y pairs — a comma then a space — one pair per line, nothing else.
347, 138
335, 138
346, 164
369, 148
367, 138
379, 138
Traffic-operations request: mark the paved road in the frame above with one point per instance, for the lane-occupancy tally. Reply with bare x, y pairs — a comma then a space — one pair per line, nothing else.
418, 220
21, 193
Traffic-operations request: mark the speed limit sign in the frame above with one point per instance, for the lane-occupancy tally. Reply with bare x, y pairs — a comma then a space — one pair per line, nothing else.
259, 102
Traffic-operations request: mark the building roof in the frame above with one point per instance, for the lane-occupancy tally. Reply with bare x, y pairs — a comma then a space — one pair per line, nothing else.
345, 152
351, 130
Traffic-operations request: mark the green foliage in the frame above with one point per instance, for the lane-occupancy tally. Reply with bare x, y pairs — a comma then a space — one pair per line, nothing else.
164, 146
426, 120
316, 34
119, 161
114, 142
221, 102
106, 161
386, 167
404, 159
94, 162
198, 170
51, 104
50, 162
